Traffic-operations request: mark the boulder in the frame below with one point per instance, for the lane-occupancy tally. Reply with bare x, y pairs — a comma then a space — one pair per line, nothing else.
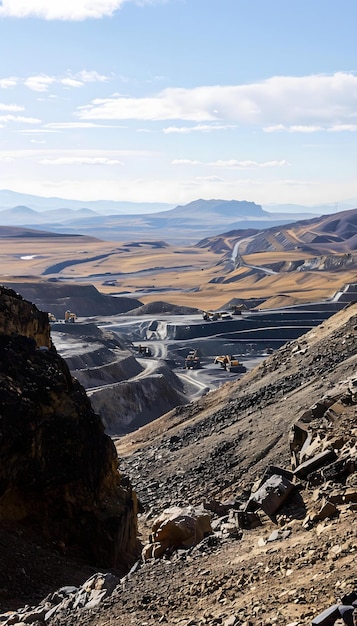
177, 528
271, 495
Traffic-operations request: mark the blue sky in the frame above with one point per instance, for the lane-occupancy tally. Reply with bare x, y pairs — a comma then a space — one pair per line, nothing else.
174, 100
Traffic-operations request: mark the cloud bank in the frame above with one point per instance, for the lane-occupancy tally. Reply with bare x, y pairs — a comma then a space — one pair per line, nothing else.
70, 10
297, 104
64, 10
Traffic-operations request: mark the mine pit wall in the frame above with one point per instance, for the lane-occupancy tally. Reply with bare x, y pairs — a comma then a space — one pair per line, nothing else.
287, 324
125, 407
111, 373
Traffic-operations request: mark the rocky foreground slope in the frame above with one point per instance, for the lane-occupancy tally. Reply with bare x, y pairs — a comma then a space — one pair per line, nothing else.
293, 417
296, 561
58, 472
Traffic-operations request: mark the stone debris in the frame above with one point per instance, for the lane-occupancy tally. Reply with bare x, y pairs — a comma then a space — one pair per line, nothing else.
323, 453
346, 610
89, 595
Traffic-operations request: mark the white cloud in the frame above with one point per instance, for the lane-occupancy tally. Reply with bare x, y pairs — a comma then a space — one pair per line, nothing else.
246, 165
91, 77
7, 83
293, 129
201, 128
19, 118
278, 103
71, 82
72, 10
81, 161
41, 82
64, 125
338, 128
10, 107
232, 164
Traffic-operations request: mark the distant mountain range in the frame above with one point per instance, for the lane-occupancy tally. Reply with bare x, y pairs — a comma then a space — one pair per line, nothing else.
117, 221
10, 199
330, 234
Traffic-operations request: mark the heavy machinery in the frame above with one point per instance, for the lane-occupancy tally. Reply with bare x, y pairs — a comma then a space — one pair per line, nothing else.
216, 315
238, 308
230, 363
144, 350
210, 315
192, 361
70, 317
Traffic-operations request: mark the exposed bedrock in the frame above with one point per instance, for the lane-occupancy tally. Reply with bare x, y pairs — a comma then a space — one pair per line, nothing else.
131, 404
58, 469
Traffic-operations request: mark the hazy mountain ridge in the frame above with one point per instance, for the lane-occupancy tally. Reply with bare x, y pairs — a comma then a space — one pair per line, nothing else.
185, 223
320, 235
9, 199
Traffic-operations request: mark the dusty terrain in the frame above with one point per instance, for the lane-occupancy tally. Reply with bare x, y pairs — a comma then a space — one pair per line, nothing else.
211, 452
305, 262
215, 450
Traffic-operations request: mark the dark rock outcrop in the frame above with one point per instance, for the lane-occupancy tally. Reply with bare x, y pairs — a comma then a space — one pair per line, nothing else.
58, 470
85, 300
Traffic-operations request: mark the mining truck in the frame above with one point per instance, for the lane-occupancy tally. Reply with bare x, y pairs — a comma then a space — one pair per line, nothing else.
70, 317
230, 363
192, 361
144, 350
210, 315
238, 308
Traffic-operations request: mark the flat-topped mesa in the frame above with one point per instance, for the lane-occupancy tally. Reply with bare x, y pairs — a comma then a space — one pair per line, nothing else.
59, 470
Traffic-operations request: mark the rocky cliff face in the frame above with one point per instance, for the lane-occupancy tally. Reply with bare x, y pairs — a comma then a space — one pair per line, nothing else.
58, 469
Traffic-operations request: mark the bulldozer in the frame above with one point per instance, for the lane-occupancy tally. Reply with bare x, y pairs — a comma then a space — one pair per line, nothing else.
192, 361
230, 363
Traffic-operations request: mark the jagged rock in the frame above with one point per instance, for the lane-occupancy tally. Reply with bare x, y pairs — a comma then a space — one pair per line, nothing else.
271, 495
59, 470
177, 527
17, 316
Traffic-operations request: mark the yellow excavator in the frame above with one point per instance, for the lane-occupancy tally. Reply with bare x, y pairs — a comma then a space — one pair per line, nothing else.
230, 363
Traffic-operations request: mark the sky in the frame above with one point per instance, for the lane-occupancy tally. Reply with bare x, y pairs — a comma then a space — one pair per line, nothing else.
175, 100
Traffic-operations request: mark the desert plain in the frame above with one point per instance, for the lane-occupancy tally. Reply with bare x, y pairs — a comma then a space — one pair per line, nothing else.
195, 276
